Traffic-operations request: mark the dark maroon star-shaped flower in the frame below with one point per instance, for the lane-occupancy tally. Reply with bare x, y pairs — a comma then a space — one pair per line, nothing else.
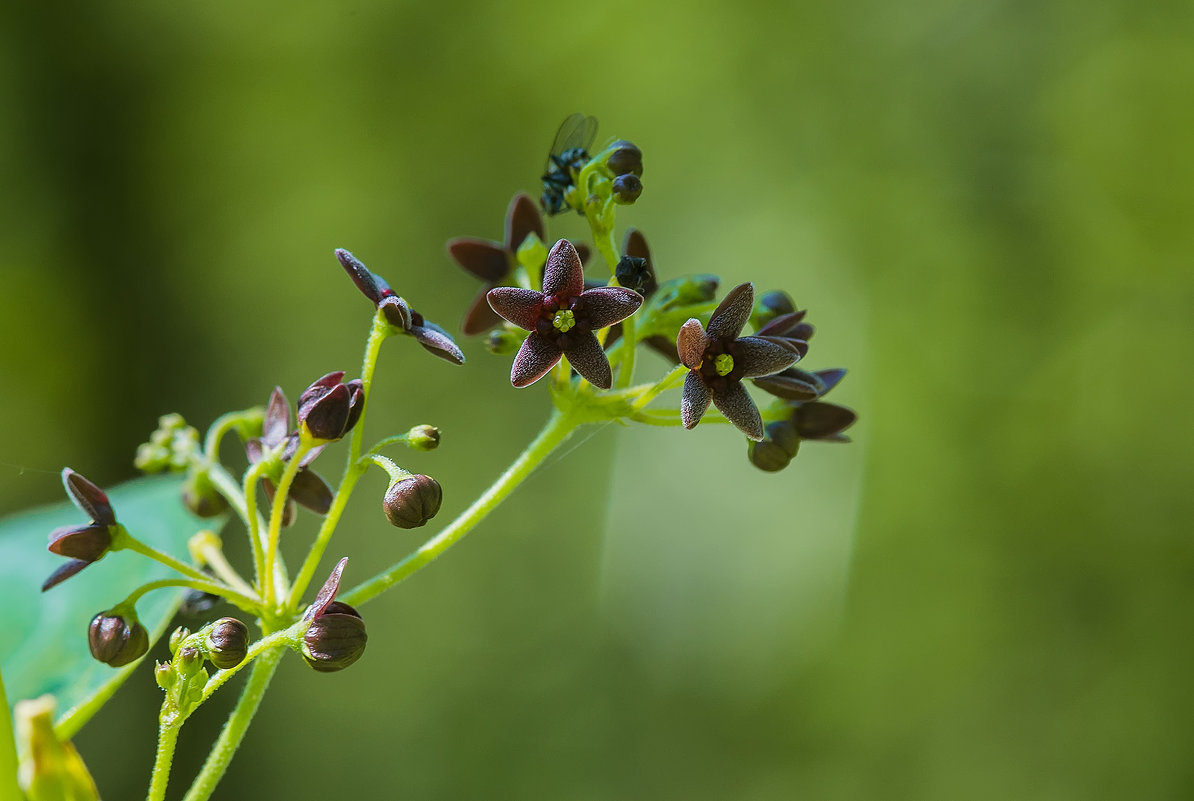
307, 488
82, 544
562, 319
718, 359
493, 262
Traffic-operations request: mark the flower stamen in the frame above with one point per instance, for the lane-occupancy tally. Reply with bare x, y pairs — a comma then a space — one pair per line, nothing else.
563, 321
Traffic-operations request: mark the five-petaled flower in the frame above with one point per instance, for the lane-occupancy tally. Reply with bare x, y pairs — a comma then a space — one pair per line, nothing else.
718, 359
82, 544
562, 319
434, 339
493, 262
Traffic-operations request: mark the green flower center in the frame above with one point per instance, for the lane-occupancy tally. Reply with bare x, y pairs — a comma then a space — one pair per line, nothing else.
563, 321
724, 364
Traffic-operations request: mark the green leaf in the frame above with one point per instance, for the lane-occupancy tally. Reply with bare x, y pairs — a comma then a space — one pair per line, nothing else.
43, 642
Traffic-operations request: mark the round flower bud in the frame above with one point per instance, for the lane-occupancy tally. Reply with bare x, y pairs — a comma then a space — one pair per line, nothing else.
163, 674
627, 188
410, 502
190, 661
625, 158
200, 496
335, 639
227, 643
423, 438
116, 641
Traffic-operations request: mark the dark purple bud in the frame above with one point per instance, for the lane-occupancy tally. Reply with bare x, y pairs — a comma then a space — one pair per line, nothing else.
329, 408
115, 641
625, 158
335, 639
823, 421
768, 456
410, 502
627, 188
793, 384
227, 643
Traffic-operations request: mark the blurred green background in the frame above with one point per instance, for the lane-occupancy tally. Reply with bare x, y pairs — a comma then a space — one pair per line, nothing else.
986, 205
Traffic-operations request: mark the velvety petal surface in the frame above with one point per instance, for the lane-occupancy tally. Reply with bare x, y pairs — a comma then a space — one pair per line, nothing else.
311, 491
609, 304
694, 402
762, 356
522, 219
479, 317
437, 342
691, 343
586, 356
535, 358
396, 311
793, 385
519, 306
364, 280
564, 273
782, 325
831, 377
88, 543
739, 409
63, 573
797, 346
732, 313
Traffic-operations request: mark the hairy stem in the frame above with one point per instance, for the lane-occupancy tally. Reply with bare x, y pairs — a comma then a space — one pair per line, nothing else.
167, 740
234, 729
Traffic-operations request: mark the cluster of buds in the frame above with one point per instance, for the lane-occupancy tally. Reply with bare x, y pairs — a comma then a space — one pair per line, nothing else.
174, 446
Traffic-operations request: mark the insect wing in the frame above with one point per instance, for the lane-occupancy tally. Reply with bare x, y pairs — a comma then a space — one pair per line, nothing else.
577, 131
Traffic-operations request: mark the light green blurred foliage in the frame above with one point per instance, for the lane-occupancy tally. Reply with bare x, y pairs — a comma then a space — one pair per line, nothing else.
985, 205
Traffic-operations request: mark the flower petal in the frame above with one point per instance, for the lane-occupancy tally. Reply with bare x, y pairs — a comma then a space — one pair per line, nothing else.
437, 342
823, 421
796, 346
88, 497
519, 306
396, 310
695, 400
792, 384
564, 274
760, 356
479, 317
732, 313
608, 305
535, 358
585, 354
327, 592
831, 377
781, 326
277, 419
522, 219
63, 573
691, 343
366, 281
311, 491
739, 409
88, 543
484, 259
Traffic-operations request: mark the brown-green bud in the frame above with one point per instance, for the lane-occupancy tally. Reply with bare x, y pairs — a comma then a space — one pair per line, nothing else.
423, 438
625, 158
189, 661
177, 636
335, 639
410, 502
115, 640
627, 188
163, 674
227, 643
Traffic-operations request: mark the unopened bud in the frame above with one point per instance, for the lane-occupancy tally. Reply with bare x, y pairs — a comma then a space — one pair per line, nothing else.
227, 643
116, 641
163, 674
625, 158
410, 502
201, 497
627, 188
189, 660
423, 438
335, 639
177, 636
502, 341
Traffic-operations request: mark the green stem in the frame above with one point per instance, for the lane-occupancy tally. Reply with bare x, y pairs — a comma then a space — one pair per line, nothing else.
240, 601
287, 636
272, 588
667, 382
131, 543
252, 476
167, 740
234, 729
555, 432
232, 492
377, 335
330, 520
